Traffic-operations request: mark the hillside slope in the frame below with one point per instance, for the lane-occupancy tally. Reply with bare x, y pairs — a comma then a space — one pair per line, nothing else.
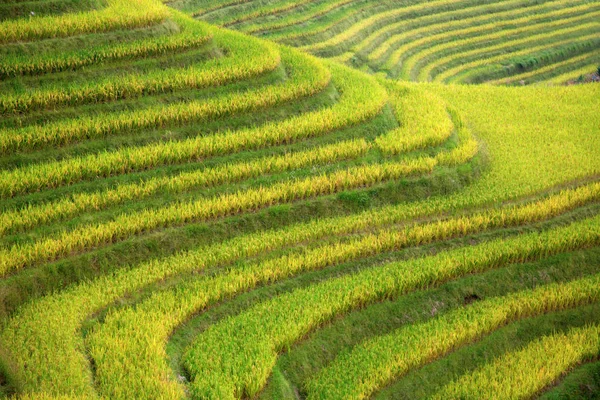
461, 41
192, 211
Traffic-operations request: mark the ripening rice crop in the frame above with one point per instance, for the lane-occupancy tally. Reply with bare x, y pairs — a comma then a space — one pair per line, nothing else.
194, 202
547, 359
191, 35
377, 361
117, 14
277, 268
309, 77
255, 337
365, 92
423, 118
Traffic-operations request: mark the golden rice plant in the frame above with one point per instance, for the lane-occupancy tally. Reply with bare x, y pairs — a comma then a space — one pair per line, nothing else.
32, 216
192, 34
55, 320
545, 360
234, 357
377, 361
308, 76
118, 14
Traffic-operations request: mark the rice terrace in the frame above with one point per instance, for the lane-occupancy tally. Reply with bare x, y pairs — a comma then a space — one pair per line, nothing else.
309, 199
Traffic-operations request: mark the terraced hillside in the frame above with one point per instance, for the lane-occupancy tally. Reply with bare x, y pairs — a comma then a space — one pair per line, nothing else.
191, 211
461, 41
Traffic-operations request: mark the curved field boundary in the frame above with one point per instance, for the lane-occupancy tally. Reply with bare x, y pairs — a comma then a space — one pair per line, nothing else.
15, 11
137, 193
375, 362
331, 23
245, 58
241, 364
546, 359
176, 305
542, 55
532, 75
33, 216
464, 29
571, 75
191, 35
458, 41
297, 18
423, 118
127, 225
232, 17
579, 34
172, 307
308, 76
385, 40
50, 326
373, 22
570, 385
121, 14
360, 91
212, 5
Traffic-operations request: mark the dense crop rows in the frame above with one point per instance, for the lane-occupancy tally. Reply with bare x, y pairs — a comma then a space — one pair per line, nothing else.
117, 14
191, 35
32, 216
386, 240
364, 91
358, 374
186, 208
424, 122
551, 355
416, 40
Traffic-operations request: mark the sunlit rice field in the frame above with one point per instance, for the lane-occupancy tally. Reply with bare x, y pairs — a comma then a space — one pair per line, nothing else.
314, 199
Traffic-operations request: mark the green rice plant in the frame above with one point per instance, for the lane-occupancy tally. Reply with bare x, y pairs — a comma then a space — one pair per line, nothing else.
119, 14
549, 63
531, 146
571, 75
234, 357
545, 360
554, 39
49, 328
308, 76
468, 147
324, 25
372, 23
423, 119
571, 385
32, 216
320, 9
15, 2
377, 361
513, 28
419, 24
558, 147
246, 58
127, 225
530, 76
220, 206
173, 307
491, 22
260, 10
16, 10
354, 87
192, 35
343, 58
206, 6
501, 183
541, 55
383, 41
